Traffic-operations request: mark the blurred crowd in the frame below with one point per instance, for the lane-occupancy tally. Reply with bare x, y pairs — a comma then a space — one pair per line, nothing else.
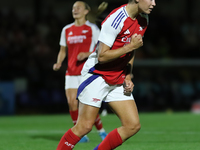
29, 47
166, 88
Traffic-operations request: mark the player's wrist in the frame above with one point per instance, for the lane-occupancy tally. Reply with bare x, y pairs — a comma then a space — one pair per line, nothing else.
128, 77
58, 62
130, 47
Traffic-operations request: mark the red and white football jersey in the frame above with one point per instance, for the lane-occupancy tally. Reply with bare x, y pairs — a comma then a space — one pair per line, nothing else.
116, 32
78, 39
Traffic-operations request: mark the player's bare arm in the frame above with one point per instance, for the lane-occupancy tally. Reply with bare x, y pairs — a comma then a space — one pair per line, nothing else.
130, 66
61, 56
105, 54
83, 55
128, 84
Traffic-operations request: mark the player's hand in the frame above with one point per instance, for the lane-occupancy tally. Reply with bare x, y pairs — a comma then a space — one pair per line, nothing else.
81, 56
102, 6
128, 86
56, 66
136, 41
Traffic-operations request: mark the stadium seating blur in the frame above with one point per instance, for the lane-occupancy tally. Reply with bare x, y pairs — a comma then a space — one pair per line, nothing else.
29, 43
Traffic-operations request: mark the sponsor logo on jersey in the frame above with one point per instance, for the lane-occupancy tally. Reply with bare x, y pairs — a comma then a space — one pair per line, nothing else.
127, 31
96, 100
70, 33
126, 39
69, 144
76, 39
84, 31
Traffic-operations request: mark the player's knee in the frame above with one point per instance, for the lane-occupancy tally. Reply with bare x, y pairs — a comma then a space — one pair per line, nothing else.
73, 105
83, 127
87, 126
137, 127
133, 127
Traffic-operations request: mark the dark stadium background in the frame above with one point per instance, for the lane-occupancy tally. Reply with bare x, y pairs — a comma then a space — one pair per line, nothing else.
166, 69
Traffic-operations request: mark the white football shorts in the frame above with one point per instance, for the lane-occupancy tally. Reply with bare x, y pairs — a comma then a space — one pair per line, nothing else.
72, 82
93, 90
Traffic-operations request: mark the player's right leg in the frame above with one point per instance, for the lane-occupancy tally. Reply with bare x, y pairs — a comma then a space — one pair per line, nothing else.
72, 103
85, 122
71, 85
73, 109
86, 118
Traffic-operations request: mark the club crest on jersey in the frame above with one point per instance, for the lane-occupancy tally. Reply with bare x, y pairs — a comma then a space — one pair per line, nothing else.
140, 28
84, 31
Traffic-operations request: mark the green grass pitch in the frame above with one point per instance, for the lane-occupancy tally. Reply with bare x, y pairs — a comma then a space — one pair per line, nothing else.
160, 131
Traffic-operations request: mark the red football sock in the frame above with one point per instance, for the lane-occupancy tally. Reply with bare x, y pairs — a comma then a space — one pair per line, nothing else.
68, 141
112, 140
74, 116
98, 124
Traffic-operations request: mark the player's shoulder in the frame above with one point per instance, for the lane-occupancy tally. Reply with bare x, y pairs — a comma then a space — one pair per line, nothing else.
68, 26
92, 25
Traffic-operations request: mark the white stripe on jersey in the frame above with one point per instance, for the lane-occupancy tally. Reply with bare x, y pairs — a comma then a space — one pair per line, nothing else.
117, 20
112, 26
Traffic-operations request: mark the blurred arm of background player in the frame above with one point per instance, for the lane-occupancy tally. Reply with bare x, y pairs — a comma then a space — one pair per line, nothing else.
83, 55
93, 14
61, 56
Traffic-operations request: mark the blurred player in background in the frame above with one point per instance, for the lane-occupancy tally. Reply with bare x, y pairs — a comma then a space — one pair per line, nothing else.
104, 108
110, 67
77, 43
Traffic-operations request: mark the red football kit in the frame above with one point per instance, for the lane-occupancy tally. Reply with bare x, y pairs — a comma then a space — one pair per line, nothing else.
116, 32
78, 39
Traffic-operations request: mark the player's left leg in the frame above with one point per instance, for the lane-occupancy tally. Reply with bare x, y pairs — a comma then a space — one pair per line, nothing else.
128, 114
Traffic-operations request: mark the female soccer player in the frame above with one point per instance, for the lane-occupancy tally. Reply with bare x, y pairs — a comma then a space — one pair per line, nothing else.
106, 76
77, 42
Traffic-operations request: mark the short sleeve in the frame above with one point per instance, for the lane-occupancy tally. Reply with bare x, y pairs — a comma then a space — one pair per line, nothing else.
62, 38
111, 28
95, 33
